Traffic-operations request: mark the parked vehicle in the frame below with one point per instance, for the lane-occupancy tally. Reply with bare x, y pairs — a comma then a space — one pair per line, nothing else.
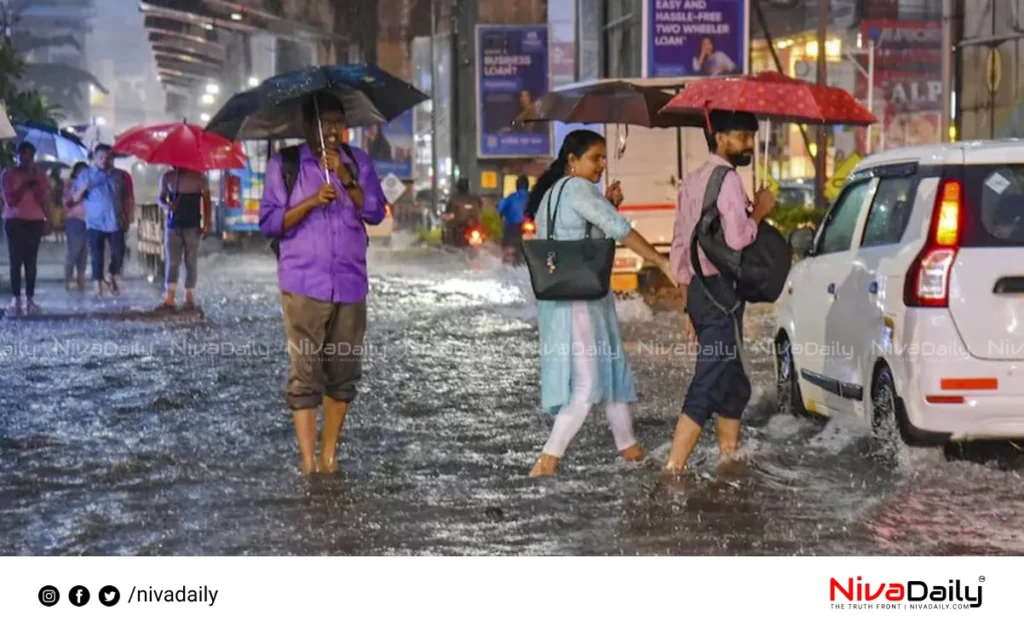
908, 311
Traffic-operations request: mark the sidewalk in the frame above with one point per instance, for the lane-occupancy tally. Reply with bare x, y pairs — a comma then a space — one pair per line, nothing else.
136, 302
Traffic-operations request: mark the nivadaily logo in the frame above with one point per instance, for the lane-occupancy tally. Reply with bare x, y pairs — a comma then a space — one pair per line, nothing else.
913, 594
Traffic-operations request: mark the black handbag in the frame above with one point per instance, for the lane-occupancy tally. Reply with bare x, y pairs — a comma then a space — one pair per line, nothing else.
569, 270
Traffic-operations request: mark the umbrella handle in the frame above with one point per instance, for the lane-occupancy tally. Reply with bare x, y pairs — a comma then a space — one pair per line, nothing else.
320, 130
767, 147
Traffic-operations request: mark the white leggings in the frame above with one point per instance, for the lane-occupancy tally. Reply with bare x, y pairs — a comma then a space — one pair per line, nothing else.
571, 417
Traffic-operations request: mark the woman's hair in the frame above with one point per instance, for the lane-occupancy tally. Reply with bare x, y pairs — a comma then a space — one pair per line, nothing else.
575, 144
77, 169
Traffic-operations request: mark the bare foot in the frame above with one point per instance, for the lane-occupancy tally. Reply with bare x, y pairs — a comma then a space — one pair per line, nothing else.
675, 469
327, 468
546, 466
634, 453
16, 308
308, 468
31, 307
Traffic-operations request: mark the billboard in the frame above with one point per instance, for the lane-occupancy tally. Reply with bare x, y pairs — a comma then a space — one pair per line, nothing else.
908, 81
391, 146
683, 38
512, 72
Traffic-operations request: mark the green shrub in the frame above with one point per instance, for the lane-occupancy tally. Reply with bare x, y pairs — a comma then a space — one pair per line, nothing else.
785, 219
429, 236
492, 224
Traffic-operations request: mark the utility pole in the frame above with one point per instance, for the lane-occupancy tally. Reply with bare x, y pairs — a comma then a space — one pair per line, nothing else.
819, 157
947, 69
433, 115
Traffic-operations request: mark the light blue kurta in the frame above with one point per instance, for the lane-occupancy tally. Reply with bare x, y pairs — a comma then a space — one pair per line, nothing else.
581, 202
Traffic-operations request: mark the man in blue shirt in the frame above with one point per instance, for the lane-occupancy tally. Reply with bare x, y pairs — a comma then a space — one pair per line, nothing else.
105, 195
513, 211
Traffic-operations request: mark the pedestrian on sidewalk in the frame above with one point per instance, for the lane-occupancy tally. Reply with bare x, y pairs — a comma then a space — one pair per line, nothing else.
26, 194
315, 201
77, 241
720, 386
582, 360
106, 196
185, 196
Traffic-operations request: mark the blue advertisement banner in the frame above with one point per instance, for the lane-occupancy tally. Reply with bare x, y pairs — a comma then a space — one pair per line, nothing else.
391, 146
696, 38
512, 72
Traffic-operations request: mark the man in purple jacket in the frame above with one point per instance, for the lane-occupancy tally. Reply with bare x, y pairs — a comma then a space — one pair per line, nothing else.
322, 273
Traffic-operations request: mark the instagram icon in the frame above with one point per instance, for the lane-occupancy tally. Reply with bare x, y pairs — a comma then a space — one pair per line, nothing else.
49, 596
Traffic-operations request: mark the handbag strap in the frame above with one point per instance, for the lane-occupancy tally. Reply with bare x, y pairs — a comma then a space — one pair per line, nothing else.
553, 215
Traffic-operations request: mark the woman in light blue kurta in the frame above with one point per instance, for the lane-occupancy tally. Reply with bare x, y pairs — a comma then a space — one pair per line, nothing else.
581, 355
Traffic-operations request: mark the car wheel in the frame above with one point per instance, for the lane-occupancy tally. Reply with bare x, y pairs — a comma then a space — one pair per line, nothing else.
886, 423
789, 400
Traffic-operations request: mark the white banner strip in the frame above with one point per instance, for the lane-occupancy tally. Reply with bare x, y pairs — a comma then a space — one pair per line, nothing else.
509, 594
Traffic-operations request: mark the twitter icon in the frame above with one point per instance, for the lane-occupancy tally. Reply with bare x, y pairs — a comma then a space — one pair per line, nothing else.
109, 596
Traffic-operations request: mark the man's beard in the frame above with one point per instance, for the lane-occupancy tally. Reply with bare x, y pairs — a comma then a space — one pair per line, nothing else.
741, 160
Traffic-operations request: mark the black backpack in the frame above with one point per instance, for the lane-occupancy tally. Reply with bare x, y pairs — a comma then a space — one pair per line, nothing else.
290, 174
759, 271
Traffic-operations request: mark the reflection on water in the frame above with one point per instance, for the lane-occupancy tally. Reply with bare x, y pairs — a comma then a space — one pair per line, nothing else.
178, 442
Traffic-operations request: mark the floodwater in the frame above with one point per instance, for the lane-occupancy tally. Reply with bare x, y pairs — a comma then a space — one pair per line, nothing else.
172, 438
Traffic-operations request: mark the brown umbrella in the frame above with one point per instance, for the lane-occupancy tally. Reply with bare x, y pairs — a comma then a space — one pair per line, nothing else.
623, 101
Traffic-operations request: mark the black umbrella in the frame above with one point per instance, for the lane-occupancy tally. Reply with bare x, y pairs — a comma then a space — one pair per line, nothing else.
273, 110
624, 101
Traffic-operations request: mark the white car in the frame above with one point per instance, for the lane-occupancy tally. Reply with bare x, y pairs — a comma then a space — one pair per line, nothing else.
908, 310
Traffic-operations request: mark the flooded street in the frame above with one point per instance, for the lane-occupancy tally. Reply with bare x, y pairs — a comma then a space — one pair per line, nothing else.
172, 438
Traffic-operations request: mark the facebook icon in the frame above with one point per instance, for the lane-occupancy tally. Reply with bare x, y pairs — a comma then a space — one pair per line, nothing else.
79, 596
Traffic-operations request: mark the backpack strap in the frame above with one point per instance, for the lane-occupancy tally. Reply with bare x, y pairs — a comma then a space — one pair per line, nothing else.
290, 175
289, 168
709, 213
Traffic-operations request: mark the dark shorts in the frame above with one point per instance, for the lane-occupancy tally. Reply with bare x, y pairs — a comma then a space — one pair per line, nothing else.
720, 384
512, 235
325, 349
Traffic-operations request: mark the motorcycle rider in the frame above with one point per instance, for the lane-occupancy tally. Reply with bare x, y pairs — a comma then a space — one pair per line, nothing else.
462, 212
513, 211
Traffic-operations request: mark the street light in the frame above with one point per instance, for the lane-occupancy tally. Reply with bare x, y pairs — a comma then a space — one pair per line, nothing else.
236, 17
254, 81
212, 89
207, 99
204, 117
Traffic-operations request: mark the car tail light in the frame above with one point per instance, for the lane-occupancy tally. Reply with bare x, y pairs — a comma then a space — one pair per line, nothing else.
927, 282
944, 399
475, 237
529, 228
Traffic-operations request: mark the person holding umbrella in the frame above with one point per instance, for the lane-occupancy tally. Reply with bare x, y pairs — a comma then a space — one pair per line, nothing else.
185, 196
720, 385
317, 214
190, 151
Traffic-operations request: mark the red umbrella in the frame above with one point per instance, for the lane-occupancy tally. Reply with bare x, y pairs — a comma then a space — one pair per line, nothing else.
774, 96
181, 145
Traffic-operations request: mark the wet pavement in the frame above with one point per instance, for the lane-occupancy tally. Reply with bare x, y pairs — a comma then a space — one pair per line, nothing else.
156, 436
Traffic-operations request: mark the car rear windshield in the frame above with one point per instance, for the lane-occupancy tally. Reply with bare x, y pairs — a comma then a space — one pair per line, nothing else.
994, 196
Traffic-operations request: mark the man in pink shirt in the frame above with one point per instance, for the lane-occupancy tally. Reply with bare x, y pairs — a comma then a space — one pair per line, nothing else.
26, 194
720, 385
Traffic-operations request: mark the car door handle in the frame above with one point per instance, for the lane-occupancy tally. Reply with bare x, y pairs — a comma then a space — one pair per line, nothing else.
873, 288
832, 289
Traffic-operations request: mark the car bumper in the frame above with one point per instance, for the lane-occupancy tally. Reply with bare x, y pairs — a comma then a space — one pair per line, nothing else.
938, 372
